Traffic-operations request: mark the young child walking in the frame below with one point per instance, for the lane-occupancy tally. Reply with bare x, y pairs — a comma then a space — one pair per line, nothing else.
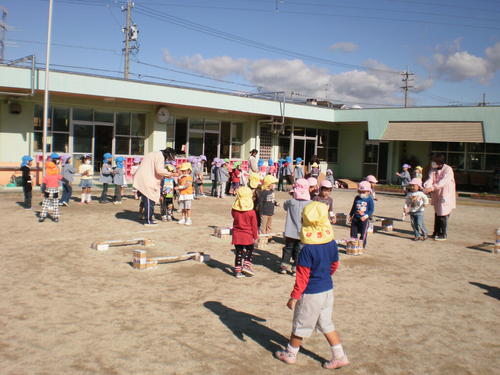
245, 232
362, 209
186, 190
293, 224
267, 202
68, 172
133, 169
167, 196
222, 178
312, 297
106, 176
26, 162
415, 203
323, 196
235, 178
298, 171
86, 171
404, 176
315, 171
51, 191
119, 179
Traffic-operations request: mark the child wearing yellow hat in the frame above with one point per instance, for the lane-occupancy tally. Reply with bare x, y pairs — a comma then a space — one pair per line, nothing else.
267, 202
185, 189
245, 232
312, 295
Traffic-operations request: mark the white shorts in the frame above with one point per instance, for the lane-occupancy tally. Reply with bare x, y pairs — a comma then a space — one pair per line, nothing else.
313, 311
185, 205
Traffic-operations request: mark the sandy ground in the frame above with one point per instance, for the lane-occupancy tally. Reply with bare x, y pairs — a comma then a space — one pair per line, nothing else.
402, 308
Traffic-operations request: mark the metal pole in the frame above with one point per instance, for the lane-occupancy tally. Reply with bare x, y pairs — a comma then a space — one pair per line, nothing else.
46, 92
127, 39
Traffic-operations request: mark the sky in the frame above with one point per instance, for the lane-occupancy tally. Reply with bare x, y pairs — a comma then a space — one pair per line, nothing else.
345, 51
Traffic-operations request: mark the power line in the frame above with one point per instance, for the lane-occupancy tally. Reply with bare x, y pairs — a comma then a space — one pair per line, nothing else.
65, 45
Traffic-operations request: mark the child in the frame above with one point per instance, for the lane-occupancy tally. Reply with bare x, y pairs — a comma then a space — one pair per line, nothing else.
324, 197
288, 172
235, 178
362, 209
315, 170
51, 191
373, 182
404, 176
415, 204
133, 169
185, 189
329, 177
298, 172
200, 177
313, 186
68, 171
86, 171
293, 224
312, 295
271, 168
118, 179
222, 178
26, 162
418, 172
213, 177
244, 232
167, 196
262, 169
281, 177
106, 176
267, 202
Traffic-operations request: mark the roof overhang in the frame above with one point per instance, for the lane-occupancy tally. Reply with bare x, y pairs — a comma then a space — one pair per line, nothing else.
435, 131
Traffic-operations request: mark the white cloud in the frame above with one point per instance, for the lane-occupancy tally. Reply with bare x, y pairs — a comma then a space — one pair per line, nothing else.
452, 64
376, 85
344, 47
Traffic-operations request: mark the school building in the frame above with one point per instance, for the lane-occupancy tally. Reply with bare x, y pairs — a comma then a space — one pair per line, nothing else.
95, 114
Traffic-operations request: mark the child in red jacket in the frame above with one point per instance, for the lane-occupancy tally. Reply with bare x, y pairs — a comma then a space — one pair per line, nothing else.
51, 192
245, 232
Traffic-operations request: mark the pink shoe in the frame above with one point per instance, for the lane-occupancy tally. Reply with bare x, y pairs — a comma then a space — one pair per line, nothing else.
286, 356
336, 363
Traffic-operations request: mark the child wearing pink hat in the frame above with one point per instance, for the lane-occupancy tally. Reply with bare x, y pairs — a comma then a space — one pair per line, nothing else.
325, 189
415, 203
362, 208
313, 186
293, 224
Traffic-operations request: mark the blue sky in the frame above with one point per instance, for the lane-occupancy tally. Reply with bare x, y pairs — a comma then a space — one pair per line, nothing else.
347, 51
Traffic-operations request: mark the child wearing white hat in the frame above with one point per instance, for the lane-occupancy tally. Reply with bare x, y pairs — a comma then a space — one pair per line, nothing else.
415, 203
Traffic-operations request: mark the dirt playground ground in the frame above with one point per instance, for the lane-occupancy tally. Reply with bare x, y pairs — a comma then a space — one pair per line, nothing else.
403, 308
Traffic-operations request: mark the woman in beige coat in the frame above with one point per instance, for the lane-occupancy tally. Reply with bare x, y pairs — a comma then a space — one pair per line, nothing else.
147, 180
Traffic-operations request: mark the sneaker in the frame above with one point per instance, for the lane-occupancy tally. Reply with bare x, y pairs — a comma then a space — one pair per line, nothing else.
41, 219
27, 208
164, 218
282, 270
61, 204
248, 271
336, 363
188, 222
170, 217
440, 238
239, 275
181, 221
56, 220
286, 356
66, 204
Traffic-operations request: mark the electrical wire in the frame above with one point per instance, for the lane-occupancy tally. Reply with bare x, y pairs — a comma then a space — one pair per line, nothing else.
65, 45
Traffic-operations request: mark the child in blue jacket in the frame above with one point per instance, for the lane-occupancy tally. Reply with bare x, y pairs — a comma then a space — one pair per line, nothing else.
362, 209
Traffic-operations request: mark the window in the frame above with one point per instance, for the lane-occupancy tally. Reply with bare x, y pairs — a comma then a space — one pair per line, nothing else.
469, 156
327, 145
180, 135
236, 139
225, 139
57, 129
171, 132
129, 133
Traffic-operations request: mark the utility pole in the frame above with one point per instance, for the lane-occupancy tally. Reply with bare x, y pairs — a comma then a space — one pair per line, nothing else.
483, 103
406, 80
3, 29
131, 32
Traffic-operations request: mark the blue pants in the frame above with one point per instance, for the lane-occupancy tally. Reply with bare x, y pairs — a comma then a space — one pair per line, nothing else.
67, 192
149, 208
417, 223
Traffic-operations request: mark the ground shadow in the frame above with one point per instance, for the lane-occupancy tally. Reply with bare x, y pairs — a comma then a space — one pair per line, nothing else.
491, 291
266, 259
129, 215
244, 325
481, 247
21, 204
224, 267
394, 232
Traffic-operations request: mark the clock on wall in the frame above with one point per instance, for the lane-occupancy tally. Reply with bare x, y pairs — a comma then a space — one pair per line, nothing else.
162, 115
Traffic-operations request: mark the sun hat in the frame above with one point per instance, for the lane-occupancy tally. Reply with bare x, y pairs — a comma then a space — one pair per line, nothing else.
107, 156
371, 178
406, 166
185, 166
170, 167
119, 161
316, 227
314, 165
418, 168
203, 157
25, 160
268, 181
254, 180
260, 163
298, 160
54, 155
51, 168
329, 171
364, 186
137, 160
244, 199
301, 190
312, 181
288, 159
326, 184
65, 158
270, 162
416, 181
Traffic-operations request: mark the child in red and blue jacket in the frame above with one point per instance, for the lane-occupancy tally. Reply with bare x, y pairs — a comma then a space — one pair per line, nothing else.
362, 209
